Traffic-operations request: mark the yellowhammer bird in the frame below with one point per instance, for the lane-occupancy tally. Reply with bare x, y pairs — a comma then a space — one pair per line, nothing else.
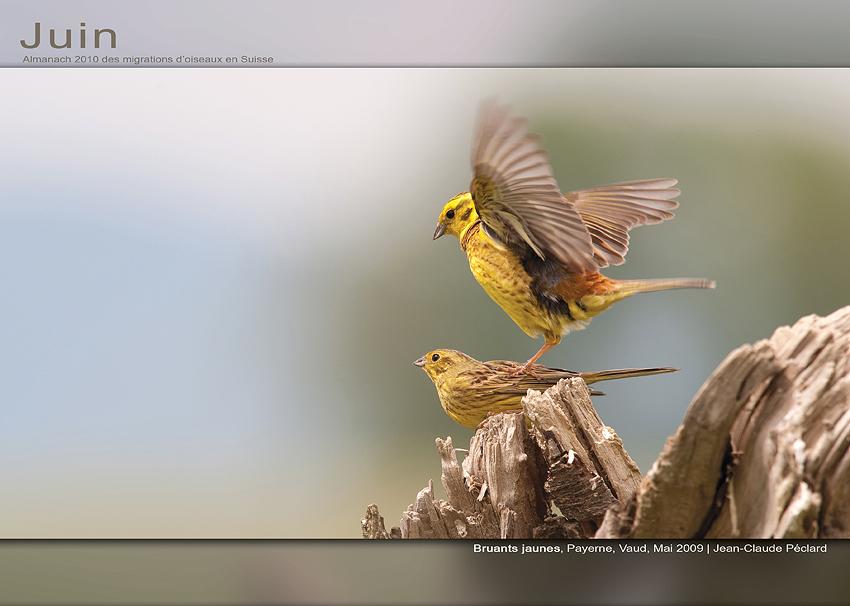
537, 252
469, 390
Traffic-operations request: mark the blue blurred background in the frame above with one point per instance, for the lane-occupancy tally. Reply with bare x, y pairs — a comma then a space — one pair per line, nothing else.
214, 282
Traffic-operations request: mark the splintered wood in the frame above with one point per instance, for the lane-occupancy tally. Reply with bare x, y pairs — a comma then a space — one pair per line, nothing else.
763, 451
373, 525
587, 468
551, 472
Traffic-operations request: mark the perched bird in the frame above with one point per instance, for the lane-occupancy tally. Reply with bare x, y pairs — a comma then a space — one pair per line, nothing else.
538, 252
469, 390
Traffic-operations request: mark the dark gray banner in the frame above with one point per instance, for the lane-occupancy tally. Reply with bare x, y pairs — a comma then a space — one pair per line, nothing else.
425, 572
195, 33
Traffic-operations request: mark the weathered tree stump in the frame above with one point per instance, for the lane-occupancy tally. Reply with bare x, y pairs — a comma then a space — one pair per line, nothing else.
763, 451
551, 472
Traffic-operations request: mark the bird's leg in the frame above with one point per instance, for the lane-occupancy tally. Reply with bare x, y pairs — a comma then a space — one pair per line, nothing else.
526, 368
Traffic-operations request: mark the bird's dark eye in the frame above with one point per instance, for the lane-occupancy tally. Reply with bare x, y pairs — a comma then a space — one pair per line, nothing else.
450, 214
435, 357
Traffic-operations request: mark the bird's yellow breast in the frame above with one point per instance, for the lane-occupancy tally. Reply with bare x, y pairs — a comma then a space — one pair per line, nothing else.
469, 406
502, 276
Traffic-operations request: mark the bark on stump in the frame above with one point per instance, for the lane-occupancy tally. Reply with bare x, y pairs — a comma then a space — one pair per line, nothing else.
763, 452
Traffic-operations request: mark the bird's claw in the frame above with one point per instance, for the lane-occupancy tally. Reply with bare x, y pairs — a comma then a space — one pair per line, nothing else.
524, 370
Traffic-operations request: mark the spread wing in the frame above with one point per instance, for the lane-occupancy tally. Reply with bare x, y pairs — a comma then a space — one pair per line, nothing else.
609, 212
517, 197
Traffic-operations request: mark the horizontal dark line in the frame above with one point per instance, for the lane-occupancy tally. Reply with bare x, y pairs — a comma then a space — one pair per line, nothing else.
410, 541
424, 66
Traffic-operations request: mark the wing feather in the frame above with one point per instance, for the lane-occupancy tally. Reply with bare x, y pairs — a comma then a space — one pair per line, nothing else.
610, 211
517, 197
498, 378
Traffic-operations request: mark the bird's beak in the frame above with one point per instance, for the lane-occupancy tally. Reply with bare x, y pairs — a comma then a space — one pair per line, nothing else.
441, 229
420, 362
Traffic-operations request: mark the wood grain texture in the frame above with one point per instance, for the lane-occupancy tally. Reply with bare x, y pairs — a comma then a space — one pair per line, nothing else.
764, 449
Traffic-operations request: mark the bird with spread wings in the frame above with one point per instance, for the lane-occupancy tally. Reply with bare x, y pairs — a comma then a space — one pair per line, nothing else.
537, 251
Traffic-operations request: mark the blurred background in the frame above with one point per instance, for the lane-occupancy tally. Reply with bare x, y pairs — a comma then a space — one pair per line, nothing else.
215, 282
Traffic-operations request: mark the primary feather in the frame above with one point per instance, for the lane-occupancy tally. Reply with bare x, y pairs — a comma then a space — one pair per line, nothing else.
610, 211
516, 195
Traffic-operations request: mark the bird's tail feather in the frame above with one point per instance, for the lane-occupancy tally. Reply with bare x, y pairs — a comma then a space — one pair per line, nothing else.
630, 287
623, 373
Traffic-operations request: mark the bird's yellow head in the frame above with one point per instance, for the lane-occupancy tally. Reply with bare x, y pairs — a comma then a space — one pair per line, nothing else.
439, 361
457, 215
